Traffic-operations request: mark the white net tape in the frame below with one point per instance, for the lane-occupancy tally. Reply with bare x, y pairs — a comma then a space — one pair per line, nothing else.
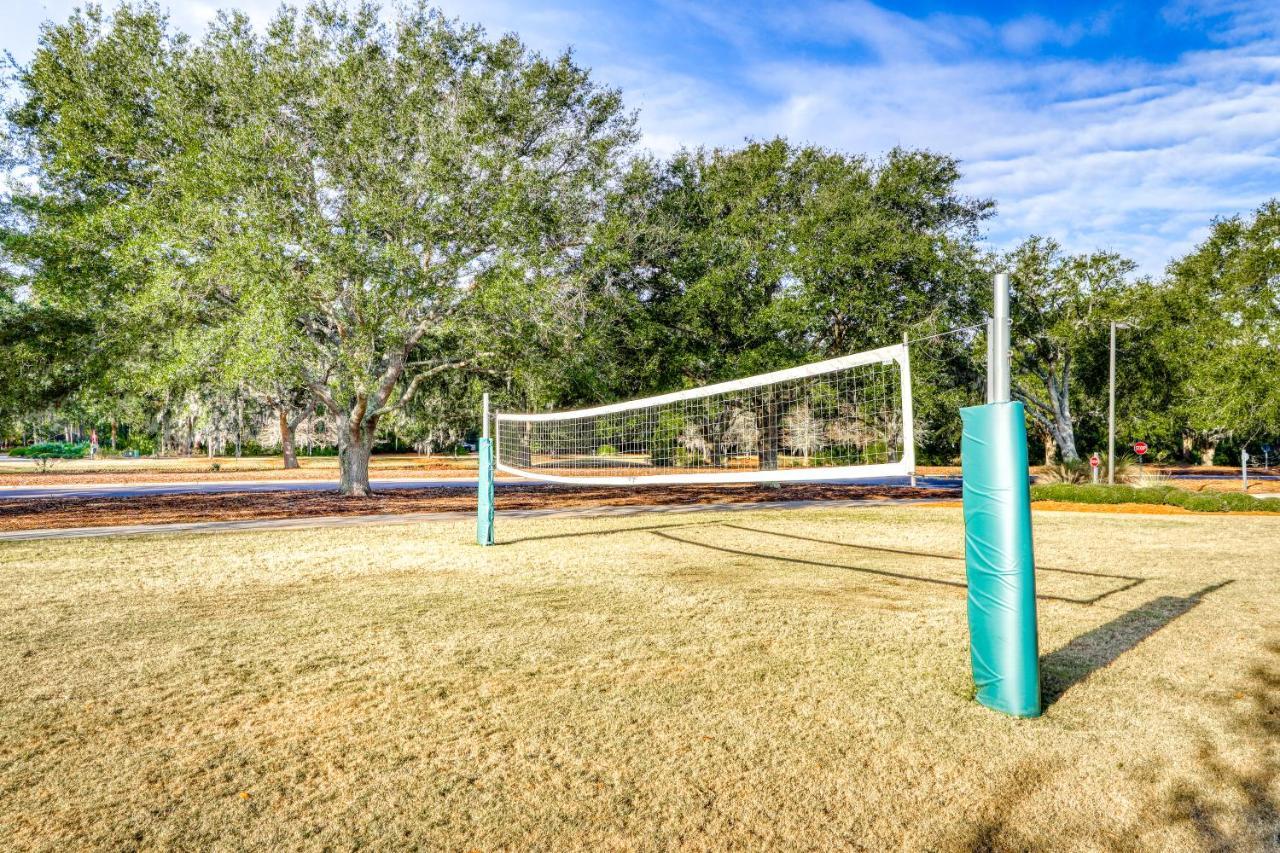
848, 417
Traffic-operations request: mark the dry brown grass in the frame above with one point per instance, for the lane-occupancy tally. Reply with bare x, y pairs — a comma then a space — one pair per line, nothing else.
637, 684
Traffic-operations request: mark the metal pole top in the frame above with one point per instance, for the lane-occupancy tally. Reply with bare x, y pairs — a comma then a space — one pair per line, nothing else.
1000, 380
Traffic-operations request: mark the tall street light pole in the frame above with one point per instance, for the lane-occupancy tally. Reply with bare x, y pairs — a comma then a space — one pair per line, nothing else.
1111, 409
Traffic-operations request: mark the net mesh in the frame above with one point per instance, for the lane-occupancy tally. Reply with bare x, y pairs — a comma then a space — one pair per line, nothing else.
846, 413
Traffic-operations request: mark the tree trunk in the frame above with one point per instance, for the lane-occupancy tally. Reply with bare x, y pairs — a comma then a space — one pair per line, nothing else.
1064, 432
287, 442
1065, 437
355, 446
1209, 450
1048, 448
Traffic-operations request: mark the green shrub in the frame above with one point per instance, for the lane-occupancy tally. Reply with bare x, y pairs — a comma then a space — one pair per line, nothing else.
664, 449
52, 450
1156, 495
252, 448
606, 450
144, 444
685, 458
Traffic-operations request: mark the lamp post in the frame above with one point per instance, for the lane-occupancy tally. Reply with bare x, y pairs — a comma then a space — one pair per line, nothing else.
1111, 408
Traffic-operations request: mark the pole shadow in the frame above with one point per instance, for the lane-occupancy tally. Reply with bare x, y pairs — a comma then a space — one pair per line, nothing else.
1066, 667
909, 553
611, 532
1129, 581
816, 563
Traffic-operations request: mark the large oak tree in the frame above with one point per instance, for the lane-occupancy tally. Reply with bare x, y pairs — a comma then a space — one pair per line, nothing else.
326, 197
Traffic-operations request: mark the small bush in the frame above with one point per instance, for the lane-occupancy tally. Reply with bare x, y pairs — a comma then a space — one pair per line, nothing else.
252, 448
1154, 495
52, 450
685, 458
145, 445
1065, 472
606, 450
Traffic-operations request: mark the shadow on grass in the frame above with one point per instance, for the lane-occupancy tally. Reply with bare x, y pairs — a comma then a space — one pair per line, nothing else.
1253, 823
959, 584
908, 553
802, 562
1062, 669
1227, 797
617, 531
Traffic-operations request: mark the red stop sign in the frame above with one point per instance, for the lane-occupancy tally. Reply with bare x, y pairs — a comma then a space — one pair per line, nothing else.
1140, 448
1094, 461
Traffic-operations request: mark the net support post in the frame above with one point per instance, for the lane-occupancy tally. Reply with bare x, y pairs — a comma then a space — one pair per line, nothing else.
484, 483
1004, 644
908, 413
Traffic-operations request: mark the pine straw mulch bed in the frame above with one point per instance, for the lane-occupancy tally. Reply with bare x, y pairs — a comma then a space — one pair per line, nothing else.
53, 513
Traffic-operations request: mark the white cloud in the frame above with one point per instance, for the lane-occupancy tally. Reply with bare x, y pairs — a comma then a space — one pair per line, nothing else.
1118, 154
1031, 32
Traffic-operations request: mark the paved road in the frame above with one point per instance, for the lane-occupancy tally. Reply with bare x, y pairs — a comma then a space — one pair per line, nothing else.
418, 517
130, 490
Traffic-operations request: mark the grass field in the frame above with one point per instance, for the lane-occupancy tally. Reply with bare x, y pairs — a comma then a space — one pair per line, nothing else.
745, 680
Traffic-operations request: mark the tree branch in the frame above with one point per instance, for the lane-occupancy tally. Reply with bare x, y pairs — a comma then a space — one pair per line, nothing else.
417, 380
1033, 401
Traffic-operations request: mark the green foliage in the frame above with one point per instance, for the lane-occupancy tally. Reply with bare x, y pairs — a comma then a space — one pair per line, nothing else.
52, 450
1159, 495
664, 450
719, 264
685, 458
1061, 306
393, 213
1219, 313
606, 450
145, 445
314, 204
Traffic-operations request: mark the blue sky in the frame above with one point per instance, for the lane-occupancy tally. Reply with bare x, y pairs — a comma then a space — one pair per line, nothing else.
1121, 125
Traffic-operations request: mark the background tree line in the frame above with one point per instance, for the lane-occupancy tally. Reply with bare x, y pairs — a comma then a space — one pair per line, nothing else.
376, 217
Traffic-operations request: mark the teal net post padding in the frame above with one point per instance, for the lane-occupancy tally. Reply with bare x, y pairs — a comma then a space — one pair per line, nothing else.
484, 503
999, 559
